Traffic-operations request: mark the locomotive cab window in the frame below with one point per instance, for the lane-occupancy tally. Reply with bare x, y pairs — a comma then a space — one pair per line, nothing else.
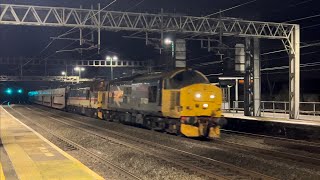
185, 78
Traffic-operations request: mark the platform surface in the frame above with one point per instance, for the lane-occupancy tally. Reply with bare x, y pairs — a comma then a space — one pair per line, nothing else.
31, 156
276, 117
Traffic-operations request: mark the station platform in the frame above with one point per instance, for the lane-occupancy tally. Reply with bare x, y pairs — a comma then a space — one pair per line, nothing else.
277, 117
26, 155
275, 124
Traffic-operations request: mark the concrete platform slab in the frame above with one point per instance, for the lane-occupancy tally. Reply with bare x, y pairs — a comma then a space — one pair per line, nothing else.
34, 157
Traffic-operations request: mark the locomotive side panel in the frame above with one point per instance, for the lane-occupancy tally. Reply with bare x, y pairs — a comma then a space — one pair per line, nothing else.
135, 97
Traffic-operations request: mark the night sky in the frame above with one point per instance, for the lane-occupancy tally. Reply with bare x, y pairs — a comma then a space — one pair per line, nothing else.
16, 41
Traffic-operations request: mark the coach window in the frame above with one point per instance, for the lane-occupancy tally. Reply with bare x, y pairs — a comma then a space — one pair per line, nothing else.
153, 93
88, 95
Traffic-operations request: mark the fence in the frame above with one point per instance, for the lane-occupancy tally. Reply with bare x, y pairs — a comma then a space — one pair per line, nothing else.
280, 107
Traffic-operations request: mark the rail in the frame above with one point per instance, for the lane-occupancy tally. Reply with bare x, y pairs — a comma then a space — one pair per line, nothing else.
278, 107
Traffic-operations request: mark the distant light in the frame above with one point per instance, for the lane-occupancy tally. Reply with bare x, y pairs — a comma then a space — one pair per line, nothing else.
205, 106
9, 91
63, 73
79, 69
108, 58
167, 41
212, 96
20, 91
198, 95
115, 58
33, 93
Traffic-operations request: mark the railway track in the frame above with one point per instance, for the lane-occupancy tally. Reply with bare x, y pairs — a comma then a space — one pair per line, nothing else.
310, 147
290, 157
192, 162
73, 146
305, 161
278, 139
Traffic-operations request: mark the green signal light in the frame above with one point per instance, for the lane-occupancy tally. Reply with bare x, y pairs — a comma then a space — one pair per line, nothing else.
20, 91
9, 91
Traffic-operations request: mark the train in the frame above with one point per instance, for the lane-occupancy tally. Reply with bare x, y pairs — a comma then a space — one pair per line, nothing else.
181, 102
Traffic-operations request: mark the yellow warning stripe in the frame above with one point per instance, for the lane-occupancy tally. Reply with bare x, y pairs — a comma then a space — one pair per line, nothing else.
32, 171
1, 173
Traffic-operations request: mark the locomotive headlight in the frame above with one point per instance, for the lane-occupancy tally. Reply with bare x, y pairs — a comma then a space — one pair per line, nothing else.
212, 96
198, 95
205, 106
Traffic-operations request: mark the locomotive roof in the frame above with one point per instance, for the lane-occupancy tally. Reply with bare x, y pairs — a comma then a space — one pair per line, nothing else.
150, 76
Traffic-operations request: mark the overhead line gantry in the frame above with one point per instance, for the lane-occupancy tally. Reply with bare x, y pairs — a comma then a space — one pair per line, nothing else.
289, 34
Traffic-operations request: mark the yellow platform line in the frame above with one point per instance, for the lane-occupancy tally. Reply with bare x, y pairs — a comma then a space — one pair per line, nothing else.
28, 169
2, 177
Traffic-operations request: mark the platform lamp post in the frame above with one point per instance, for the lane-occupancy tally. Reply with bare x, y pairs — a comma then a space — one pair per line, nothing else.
169, 42
111, 59
79, 69
63, 73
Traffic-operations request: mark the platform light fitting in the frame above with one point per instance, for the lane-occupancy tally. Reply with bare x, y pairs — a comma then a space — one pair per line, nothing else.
167, 41
63, 73
79, 69
115, 58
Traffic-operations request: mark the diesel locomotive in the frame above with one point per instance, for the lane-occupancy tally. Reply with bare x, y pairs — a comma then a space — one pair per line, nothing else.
178, 102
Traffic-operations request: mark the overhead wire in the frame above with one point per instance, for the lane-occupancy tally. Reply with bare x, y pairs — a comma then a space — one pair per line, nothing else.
106, 49
44, 59
284, 50
285, 72
302, 54
217, 74
219, 12
299, 3
287, 67
311, 26
70, 30
303, 18
231, 8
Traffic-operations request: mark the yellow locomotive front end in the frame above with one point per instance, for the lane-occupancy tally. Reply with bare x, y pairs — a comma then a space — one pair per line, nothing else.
189, 97
200, 110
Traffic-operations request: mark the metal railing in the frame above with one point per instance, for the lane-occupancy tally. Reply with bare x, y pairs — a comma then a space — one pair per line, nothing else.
278, 107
